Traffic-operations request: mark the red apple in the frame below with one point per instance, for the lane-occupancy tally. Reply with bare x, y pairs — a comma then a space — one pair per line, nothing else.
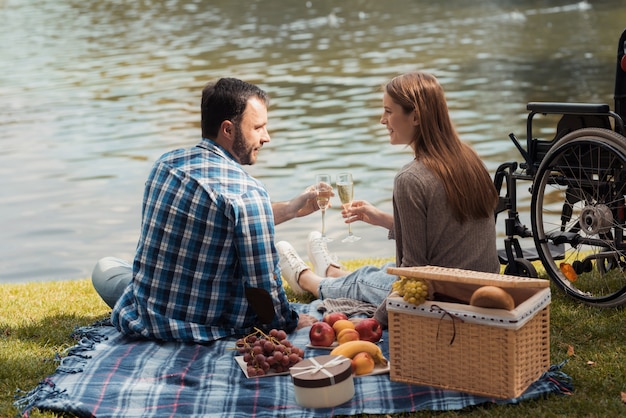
369, 329
321, 334
331, 318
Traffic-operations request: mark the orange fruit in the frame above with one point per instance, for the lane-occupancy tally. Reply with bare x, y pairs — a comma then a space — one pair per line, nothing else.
342, 324
347, 334
362, 363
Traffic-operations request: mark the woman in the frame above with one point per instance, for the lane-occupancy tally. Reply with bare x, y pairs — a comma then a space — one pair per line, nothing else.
443, 202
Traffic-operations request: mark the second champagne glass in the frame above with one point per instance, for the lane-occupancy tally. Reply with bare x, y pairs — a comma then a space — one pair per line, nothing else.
324, 192
345, 188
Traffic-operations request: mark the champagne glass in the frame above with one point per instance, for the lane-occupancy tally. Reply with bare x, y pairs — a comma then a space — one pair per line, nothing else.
345, 188
324, 191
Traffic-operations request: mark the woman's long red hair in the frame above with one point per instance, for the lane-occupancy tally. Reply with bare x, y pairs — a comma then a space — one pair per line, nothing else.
469, 187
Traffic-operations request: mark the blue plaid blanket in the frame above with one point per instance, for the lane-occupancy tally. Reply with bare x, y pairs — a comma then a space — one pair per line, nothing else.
109, 375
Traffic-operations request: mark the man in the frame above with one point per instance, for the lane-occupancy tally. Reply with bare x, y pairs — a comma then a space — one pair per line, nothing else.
206, 266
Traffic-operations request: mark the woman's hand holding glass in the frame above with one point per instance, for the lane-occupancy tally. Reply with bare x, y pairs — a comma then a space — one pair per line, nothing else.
361, 210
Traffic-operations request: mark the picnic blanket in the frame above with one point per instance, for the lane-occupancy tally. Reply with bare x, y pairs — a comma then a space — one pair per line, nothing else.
109, 375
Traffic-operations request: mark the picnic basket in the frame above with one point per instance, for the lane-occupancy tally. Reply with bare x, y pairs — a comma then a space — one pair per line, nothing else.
452, 345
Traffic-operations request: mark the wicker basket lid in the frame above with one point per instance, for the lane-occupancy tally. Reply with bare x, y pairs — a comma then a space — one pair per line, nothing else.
454, 275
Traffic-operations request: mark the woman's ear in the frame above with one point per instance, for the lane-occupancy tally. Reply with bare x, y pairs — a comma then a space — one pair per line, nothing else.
416, 119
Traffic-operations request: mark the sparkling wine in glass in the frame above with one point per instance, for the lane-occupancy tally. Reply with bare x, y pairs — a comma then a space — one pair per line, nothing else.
345, 188
324, 191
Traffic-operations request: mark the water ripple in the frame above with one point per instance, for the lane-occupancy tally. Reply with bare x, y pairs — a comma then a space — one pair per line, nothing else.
92, 92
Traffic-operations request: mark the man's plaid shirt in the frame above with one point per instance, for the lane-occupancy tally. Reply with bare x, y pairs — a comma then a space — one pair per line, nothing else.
207, 234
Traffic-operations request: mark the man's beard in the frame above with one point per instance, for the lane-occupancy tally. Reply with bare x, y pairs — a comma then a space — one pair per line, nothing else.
243, 152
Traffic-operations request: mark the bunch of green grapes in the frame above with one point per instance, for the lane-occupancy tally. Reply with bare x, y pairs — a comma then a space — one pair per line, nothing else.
412, 290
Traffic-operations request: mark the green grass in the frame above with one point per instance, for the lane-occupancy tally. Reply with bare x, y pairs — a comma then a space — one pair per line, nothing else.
36, 320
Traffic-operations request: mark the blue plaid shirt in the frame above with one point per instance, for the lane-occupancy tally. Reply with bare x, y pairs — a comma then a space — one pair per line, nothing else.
207, 234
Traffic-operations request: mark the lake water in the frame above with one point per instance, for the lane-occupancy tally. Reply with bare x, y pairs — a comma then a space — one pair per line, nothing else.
91, 93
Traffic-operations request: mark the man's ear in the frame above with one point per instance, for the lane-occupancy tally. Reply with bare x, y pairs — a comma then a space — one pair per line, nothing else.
227, 129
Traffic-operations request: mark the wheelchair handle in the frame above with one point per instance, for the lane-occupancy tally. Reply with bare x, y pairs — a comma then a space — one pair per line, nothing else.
569, 108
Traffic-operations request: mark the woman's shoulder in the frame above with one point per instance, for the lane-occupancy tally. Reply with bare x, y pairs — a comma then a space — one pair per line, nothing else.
417, 180
415, 169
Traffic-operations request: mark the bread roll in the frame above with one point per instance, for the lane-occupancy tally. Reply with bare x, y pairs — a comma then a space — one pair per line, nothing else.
492, 297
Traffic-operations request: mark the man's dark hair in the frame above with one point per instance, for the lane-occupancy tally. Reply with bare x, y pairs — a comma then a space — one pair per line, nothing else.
226, 99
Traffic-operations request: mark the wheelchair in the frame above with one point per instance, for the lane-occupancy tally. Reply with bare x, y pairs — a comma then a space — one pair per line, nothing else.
578, 198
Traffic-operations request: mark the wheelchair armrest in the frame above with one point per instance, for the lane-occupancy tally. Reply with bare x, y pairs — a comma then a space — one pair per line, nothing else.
568, 108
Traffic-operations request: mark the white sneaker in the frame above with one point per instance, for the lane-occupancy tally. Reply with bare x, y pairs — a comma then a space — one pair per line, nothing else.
291, 265
319, 255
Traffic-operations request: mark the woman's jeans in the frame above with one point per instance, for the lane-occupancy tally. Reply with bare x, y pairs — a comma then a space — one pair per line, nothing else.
368, 284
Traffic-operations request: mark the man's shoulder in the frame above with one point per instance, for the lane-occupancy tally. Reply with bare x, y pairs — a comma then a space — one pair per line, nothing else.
210, 170
195, 160
178, 153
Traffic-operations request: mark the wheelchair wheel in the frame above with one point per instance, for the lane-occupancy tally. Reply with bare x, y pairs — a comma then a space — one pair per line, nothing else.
520, 267
578, 199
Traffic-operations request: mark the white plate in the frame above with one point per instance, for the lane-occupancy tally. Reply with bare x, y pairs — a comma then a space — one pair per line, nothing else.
378, 369
321, 347
244, 368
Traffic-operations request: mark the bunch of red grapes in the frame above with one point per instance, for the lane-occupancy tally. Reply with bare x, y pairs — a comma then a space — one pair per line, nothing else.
267, 353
